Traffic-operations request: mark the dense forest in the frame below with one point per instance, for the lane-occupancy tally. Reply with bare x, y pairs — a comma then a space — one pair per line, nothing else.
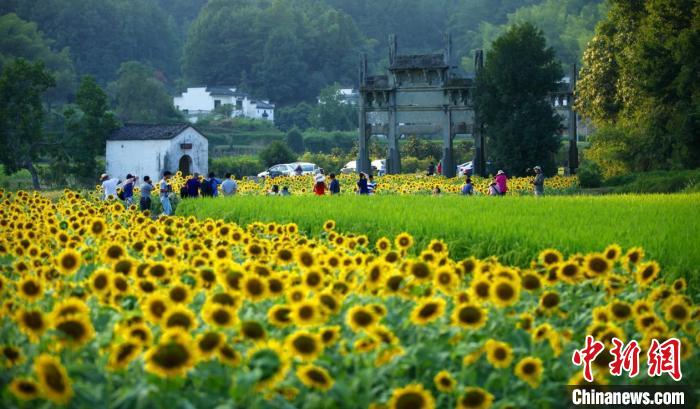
285, 50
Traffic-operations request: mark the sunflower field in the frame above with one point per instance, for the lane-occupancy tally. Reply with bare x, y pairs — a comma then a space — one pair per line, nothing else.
107, 307
396, 184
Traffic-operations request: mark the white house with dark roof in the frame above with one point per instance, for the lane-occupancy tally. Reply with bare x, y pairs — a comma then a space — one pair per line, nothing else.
198, 101
149, 150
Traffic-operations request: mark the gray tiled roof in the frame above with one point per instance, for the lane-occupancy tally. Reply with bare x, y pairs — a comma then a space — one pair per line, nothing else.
221, 90
144, 132
264, 105
418, 61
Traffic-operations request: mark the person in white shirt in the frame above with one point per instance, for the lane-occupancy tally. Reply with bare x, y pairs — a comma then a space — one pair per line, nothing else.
109, 187
229, 185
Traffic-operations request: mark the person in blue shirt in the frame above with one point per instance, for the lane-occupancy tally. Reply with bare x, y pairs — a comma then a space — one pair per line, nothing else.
334, 186
468, 188
371, 185
214, 184
128, 189
362, 185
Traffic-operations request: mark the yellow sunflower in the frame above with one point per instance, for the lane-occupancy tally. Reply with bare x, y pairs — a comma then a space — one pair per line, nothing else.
444, 381
25, 389
53, 379
499, 354
474, 398
360, 318
315, 377
122, 354
413, 396
469, 315
304, 345
68, 262
529, 369
174, 355
504, 292
427, 311
403, 241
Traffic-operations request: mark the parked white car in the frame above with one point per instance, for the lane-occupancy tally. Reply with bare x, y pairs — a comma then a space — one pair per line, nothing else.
306, 168
465, 169
283, 169
378, 167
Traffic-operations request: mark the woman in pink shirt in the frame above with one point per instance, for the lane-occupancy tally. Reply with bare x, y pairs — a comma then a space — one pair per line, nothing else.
502, 182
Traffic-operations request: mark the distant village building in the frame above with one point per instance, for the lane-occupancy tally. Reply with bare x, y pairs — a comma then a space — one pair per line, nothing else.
348, 96
198, 101
149, 150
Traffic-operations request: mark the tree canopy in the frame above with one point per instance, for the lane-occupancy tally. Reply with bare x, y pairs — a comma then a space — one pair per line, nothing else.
22, 85
639, 83
522, 127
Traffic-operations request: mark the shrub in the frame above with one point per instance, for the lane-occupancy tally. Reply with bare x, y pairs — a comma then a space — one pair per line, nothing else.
238, 165
590, 174
277, 152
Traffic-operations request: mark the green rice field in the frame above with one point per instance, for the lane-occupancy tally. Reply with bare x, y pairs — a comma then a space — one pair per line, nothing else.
515, 228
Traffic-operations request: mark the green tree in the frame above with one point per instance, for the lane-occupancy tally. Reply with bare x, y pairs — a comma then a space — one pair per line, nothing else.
102, 34
295, 140
87, 124
293, 116
640, 76
22, 39
521, 126
22, 86
332, 113
277, 152
305, 45
141, 97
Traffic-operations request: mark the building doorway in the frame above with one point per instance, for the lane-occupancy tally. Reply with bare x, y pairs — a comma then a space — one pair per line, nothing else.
185, 165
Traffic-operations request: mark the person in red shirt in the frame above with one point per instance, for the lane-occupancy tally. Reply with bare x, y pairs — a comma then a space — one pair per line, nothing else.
320, 185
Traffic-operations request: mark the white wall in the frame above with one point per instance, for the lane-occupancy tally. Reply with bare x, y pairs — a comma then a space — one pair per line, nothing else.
194, 99
199, 152
143, 158
139, 158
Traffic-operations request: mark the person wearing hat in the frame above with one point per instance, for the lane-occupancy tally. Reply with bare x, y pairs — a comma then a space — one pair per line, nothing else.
538, 182
109, 187
502, 182
320, 184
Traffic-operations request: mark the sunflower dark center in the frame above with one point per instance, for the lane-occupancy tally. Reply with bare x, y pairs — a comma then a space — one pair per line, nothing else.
363, 318
171, 356
469, 315
679, 312
178, 294
317, 376
253, 330
209, 341
34, 320
72, 328
473, 399
505, 291
54, 379
598, 265
30, 288
428, 310
221, 316
550, 300
420, 270
179, 319
305, 344
529, 368
255, 287
410, 400
125, 350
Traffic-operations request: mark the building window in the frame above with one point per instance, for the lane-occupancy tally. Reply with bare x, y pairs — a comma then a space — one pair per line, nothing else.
217, 103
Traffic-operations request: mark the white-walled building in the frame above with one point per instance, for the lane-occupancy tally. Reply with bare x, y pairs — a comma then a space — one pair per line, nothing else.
197, 101
149, 150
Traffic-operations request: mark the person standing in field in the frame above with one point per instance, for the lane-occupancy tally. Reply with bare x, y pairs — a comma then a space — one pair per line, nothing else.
285, 191
439, 168
109, 187
229, 186
165, 190
193, 184
362, 185
320, 184
538, 182
128, 189
468, 188
371, 185
502, 182
431, 169
210, 186
334, 186
146, 189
